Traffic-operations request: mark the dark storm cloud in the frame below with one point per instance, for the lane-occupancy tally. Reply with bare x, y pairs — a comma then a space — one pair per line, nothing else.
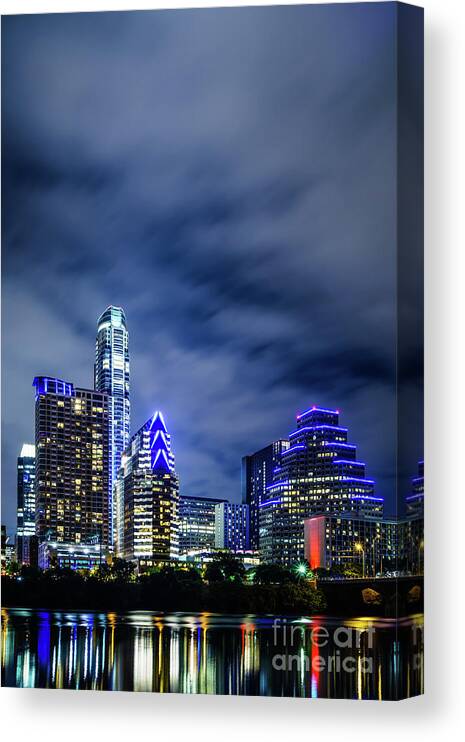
228, 177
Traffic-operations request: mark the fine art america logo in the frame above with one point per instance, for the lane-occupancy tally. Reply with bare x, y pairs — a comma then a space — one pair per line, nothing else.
342, 649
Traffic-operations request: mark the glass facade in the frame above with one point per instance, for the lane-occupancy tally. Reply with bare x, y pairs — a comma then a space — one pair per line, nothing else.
197, 524
415, 502
146, 498
379, 547
232, 526
111, 376
26, 509
317, 473
26, 546
257, 475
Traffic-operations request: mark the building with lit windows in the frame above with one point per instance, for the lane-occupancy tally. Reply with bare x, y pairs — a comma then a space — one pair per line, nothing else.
8, 551
26, 542
200, 559
257, 475
415, 501
197, 524
147, 498
377, 546
318, 473
232, 526
111, 376
72, 433
70, 555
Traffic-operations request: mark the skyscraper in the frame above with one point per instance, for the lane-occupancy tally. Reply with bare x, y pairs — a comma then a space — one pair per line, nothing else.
72, 463
26, 503
197, 523
317, 474
416, 500
232, 526
111, 376
257, 475
147, 498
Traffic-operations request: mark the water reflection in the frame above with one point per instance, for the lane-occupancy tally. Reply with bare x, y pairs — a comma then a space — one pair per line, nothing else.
211, 653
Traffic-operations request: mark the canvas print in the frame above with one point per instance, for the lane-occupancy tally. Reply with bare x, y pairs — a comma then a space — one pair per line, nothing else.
212, 345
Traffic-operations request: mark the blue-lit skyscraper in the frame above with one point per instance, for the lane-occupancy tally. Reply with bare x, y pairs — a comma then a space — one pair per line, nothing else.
111, 376
26, 511
317, 474
415, 501
232, 526
147, 498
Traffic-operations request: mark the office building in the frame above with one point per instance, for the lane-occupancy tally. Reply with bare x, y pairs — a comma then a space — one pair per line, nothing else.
147, 498
26, 542
257, 475
197, 524
232, 526
72, 463
377, 546
317, 474
70, 555
416, 500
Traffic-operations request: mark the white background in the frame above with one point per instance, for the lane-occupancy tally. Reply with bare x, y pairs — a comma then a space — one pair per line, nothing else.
70, 715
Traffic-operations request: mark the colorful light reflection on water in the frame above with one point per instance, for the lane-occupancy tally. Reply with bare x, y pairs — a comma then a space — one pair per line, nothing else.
213, 653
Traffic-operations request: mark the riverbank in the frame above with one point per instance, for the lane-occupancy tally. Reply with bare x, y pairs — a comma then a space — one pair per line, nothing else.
188, 592
161, 594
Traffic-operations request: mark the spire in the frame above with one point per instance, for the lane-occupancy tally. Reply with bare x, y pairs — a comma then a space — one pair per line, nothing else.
160, 444
158, 422
160, 460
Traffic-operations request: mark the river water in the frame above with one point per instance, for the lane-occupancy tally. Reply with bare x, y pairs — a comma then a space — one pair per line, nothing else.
359, 658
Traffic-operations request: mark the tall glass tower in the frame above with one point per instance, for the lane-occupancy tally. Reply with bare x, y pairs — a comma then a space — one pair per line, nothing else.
26, 512
111, 375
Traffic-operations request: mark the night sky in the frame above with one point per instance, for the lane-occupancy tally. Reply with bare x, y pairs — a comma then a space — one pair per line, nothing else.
228, 178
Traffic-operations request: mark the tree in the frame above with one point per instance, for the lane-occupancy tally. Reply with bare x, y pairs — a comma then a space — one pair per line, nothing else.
225, 566
30, 573
273, 574
103, 572
348, 570
213, 572
121, 569
13, 568
320, 572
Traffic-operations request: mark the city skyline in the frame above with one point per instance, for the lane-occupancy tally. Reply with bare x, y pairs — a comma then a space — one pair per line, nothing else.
254, 257
235, 496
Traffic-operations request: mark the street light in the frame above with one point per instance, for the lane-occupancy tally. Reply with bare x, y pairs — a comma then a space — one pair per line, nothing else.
359, 547
302, 569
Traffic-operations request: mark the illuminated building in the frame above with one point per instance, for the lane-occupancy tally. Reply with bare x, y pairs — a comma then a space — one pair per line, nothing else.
197, 523
318, 473
257, 475
199, 559
415, 501
147, 498
69, 555
232, 526
377, 546
72, 463
111, 376
8, 551
26, 506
